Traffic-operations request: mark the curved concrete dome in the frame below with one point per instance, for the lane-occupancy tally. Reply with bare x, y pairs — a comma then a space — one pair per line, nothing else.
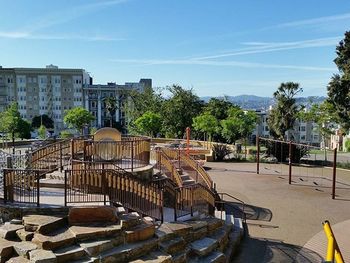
107, 134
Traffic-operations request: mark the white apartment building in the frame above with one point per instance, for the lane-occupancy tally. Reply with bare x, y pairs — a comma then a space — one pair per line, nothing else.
303, 132
95, 96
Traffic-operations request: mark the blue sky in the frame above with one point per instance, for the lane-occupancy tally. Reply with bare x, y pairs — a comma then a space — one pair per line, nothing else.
215, 47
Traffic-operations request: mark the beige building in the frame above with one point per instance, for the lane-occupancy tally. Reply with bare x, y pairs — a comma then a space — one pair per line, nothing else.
39, 91
53, 90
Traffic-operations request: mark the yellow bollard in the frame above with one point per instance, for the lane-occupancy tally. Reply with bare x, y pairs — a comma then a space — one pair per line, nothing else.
332, 248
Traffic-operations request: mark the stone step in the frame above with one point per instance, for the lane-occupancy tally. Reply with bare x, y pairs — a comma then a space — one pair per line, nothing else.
129, 220
86, 260
23, 248
92, 215
128, 252
181, 257
24, 235
164, 233
95, 247
43, 224
238, 226
173, 246
199, 229
181, 229
81, 233
8, 230
58, 239
140, 233
213, 223
18, 259
6, 249
70, 253
204, 246
120, 211
52, 183
220, 214
213, 257
185, 177
40, 256
222, 236
155, 257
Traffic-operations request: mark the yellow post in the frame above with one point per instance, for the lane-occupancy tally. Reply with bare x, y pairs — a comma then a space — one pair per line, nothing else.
332, 248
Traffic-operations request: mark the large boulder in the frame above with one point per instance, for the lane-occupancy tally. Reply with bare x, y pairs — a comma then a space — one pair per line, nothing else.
88, 215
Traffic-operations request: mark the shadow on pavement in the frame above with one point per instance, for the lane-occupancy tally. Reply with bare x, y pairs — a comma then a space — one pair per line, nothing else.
263, 250
257, 213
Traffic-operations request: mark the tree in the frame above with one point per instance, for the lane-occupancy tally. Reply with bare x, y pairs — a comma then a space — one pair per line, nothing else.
339, 86
24, 129
218, 108
42, 132
179, 110
206, 123
149, 123
78, 118
285, 112
111, 107
42, 120
239, 124
11, 120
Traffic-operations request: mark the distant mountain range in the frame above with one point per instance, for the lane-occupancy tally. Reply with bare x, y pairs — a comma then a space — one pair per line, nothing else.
252, 102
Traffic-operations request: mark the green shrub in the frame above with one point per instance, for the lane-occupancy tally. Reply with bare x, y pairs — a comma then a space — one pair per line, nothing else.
66, 134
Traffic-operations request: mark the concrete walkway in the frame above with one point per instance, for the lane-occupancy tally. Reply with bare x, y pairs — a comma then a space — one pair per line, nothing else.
281, 218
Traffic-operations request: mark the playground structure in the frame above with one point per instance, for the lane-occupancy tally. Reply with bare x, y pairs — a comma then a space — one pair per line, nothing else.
304, 165
108, 168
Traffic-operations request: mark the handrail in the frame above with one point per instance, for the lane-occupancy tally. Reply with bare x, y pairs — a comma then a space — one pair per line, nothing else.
164, 160
333, 251
198, 168
235, 198
181, 156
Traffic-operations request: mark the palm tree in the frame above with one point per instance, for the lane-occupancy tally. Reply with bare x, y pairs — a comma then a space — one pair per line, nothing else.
111, 107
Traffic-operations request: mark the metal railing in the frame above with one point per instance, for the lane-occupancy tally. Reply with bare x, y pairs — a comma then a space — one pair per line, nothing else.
164, 165
199, 174
333, 251
238, 211
104, 185
21, 186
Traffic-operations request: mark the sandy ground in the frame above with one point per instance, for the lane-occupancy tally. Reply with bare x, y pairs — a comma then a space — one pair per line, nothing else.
282, 218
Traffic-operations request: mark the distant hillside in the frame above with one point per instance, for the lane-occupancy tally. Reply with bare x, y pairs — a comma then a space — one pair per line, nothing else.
263, 103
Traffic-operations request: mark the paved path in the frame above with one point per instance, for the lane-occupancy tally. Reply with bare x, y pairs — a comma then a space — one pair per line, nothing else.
282, 218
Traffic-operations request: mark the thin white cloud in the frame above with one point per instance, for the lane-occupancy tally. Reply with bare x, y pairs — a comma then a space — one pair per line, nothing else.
265, 47
67, 15
218, 63
23, 35
313, 21
61, 17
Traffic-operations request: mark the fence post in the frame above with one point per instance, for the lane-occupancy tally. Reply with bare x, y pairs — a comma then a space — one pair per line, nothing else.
61, 165
178, 157
257, 154
290, 162
38, 188
132, 156
72, 149
65, 187
175, 206
196, 172
104, 183
334, 172
5, 186
191, 201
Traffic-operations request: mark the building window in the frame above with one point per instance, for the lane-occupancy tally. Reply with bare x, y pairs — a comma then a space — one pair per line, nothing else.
303, 128
302, 137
